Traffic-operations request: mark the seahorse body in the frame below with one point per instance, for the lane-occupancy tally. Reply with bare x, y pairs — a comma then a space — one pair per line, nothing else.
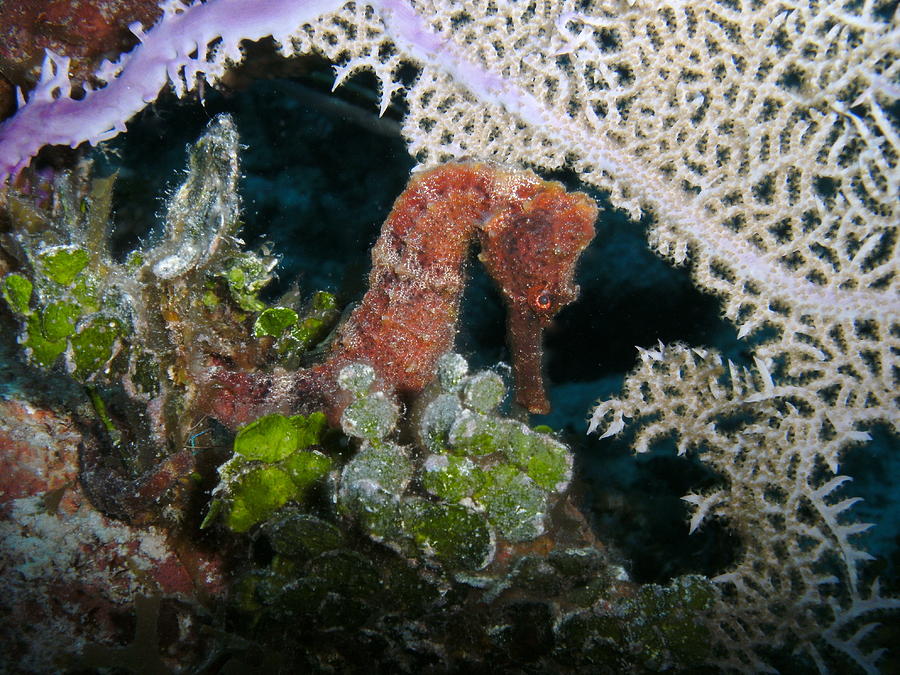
531, 234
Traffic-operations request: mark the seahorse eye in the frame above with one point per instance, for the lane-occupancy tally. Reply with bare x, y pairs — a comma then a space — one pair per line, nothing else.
544, 300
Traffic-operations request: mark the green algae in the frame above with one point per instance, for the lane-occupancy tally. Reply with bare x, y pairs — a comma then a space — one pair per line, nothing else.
66, 312
246, 274
515, 505
267, 439
311, 428
256, 495
550, 465
434, 427
386, 465
371, 417
272, 438
452, 478
274, 321
93, 346
306, 467
476, 493
484, 391
58, 320
86, 294
295, 332
452, 369
660, 629
63, 264
42, 351
313, 324
274, 462
453, 534
295, 533
253, 492
474, 433
17, 293
356, 378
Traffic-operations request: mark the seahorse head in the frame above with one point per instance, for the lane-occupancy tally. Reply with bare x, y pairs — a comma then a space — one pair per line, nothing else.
530, 247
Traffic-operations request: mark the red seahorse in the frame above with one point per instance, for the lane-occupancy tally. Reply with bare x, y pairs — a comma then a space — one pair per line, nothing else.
531, 234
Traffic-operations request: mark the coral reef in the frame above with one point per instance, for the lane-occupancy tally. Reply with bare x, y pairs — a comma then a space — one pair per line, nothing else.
472, 483
481, 490
69, 574
758, 143
136, 332
459, 550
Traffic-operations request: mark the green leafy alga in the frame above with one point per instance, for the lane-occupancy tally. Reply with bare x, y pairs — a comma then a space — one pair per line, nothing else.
43, 351
258, 495
58, 320
269, 439
93, 345
62, 265
271, 466
17, 292
274, 321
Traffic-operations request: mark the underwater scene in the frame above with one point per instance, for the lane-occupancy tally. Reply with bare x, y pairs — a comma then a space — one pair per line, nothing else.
355, 342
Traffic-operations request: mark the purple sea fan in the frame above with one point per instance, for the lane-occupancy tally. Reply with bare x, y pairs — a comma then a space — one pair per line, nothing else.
200, 39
